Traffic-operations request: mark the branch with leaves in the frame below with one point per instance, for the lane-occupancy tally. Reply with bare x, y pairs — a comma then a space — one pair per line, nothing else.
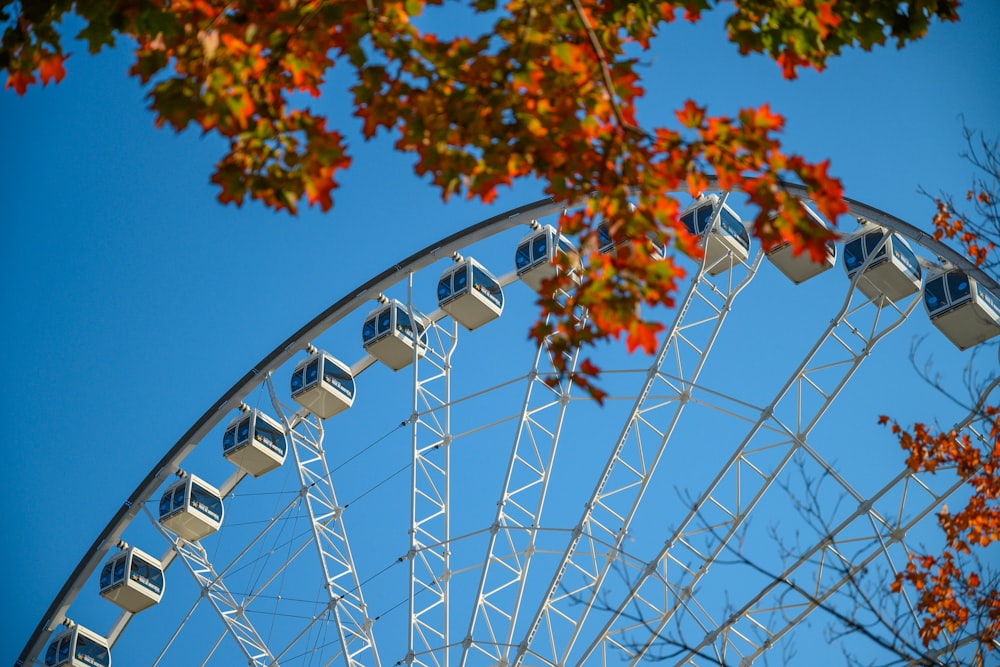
544, 91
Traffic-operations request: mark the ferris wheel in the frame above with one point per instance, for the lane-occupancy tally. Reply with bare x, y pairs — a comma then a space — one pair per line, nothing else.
401, 482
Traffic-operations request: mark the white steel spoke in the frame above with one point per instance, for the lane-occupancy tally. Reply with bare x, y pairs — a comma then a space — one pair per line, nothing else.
232, 613
608, 514
836, 560
429, 555
719, 512
513, 532
339, 578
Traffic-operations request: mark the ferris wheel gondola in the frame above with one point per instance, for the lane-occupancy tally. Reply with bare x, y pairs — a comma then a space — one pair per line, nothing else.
723, 243
801, 267
536, 254
132, 579
192, 508
888, 268
78, 647
254, 443
388, 335
323, 384
470, 294
962, 309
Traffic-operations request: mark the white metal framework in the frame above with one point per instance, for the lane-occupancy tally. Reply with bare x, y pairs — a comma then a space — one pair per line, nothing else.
499, 517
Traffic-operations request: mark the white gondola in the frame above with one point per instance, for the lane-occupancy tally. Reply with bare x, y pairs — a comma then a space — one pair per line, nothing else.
323, 385
537, 250
962, 309
470, 294
255, 443
192, 508
607, 244
893, 272
78, 647
132, 579
725, 243
800, 268
388, 335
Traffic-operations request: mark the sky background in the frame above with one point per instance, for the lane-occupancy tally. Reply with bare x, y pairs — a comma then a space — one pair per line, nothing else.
131, 299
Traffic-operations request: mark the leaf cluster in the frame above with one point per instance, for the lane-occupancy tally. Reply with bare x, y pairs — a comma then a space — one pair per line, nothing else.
950, 592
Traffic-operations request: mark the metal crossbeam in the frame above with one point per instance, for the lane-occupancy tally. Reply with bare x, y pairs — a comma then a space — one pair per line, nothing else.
430, 501
230, 612
339, 581
592, 551
719, 512
513, 533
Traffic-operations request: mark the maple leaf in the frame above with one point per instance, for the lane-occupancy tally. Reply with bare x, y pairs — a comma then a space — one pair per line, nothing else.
50, 68
19, 81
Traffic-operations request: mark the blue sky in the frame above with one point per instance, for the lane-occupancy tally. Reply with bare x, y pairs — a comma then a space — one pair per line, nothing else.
132, 299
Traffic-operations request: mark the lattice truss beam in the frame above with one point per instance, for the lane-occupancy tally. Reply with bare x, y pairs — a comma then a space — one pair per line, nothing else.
665, 592
513, 533
429, 555
232, 613
595, 547
346, 605
873, 533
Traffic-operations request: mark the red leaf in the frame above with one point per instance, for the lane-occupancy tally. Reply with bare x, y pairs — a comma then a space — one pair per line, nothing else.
51, 67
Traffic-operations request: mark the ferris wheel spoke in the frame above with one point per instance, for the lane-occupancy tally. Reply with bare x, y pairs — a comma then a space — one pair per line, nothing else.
608, 514
430, 499
230, 612
719, 512
513, 534
345, 601
836, 560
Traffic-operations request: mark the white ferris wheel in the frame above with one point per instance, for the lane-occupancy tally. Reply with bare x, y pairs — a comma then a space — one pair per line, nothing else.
397, 483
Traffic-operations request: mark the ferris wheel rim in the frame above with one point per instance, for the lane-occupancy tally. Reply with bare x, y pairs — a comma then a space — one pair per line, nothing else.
108, 538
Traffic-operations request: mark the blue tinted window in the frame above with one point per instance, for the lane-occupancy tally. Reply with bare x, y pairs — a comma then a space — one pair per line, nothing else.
269, 437
119, 570
604, 242
958, 285
854, 255
487, 286
178, 499
704, 217
206, 502
539, 247
50, 655
312, 372
734, 227
523, 256
905, 256
337, 377
688, 221
461, 280
243, 431
383, 321
106, 576
403, 323
229, 439
297, 380
369, 331
934, 295
165, 503
872, 240
91, 653
64, 649
444, 288
146, 574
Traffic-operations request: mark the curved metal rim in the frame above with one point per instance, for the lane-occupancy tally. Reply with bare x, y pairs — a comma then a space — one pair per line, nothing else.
299, 340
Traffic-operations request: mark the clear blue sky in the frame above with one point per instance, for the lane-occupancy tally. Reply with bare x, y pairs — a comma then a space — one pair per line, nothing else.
131, 299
